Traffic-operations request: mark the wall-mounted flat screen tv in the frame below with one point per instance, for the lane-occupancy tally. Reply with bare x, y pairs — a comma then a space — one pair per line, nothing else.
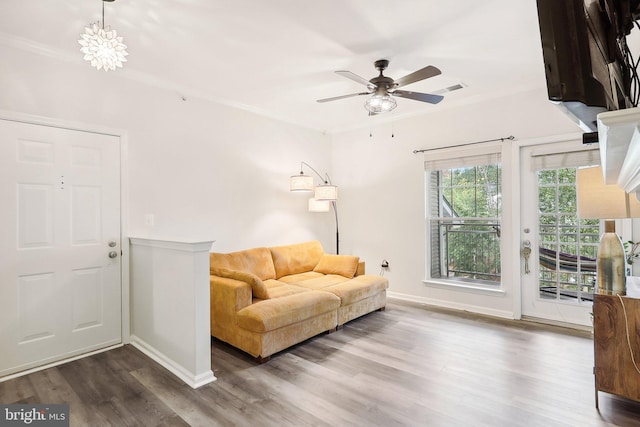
587, 60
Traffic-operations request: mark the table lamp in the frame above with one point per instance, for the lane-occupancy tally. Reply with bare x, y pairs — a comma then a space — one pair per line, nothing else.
608, 202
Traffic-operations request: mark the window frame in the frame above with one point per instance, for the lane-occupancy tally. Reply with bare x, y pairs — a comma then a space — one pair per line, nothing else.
447, 158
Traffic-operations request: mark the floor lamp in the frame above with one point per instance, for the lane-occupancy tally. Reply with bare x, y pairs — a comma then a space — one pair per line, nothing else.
325, 194
596, 200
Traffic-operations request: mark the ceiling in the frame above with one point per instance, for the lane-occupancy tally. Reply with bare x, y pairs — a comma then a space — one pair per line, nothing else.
277, 57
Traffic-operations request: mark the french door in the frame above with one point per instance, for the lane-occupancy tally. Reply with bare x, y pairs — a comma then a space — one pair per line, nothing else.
558, 249
60, 269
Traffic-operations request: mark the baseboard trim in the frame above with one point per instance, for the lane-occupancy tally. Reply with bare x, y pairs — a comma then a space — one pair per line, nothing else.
452, 305
194, 380
558, 323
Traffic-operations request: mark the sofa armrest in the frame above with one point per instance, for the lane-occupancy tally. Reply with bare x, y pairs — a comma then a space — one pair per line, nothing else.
229, 295
360, 269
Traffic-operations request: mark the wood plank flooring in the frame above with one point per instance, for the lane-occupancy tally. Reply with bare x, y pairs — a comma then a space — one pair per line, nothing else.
410, 365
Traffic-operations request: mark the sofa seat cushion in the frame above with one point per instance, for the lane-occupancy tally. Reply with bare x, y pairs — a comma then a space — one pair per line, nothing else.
275, 313
322, 282
294, 259
358, 288
256, 261
300, 277
278, 289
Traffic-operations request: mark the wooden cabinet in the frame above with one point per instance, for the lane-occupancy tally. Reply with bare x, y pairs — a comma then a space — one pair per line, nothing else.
614, 369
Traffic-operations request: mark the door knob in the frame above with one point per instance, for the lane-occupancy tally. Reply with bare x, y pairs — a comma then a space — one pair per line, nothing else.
113, 254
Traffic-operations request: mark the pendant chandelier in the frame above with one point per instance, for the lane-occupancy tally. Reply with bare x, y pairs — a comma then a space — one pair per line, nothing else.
101, 45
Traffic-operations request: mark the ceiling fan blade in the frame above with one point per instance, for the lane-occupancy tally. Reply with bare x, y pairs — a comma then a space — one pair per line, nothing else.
342, 97
416, 76
356, 78
424, 97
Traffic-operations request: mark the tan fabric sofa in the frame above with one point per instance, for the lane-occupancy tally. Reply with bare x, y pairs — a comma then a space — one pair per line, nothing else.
264, 300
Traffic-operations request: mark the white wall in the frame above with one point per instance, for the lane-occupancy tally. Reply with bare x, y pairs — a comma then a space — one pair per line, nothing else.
204, 170
209, 171
172, 277
382, 202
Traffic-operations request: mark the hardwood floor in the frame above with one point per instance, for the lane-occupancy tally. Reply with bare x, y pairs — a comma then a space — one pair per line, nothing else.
407, 366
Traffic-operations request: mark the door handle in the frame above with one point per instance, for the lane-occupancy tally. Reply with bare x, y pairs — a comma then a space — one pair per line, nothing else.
113, 254
526, 251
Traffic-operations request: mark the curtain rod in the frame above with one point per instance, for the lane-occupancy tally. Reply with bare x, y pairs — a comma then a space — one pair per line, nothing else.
510, 137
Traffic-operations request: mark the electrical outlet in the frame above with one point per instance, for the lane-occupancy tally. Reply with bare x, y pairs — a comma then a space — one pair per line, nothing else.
385, 264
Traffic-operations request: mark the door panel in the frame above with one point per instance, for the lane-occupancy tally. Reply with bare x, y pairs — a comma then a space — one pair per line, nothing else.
86, 221
87, 298
35, 317
35, 216
60, 291
555, 291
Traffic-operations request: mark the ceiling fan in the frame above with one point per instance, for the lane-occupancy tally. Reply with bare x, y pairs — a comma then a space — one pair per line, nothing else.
382, 88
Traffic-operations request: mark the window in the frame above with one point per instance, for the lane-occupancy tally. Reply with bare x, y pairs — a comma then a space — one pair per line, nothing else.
568, 245
463, 214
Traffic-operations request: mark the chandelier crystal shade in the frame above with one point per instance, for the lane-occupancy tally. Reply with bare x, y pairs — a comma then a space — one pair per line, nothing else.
380, 103
102, 46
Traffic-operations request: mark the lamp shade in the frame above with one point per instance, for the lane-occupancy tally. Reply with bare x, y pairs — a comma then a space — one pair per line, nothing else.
301, 182
380, 103
598, 200
326, 192
319, 205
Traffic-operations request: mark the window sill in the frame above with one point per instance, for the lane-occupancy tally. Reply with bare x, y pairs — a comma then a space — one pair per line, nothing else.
465, 287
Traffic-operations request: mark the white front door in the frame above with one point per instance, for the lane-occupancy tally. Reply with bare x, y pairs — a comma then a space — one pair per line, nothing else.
60, 269
559, 277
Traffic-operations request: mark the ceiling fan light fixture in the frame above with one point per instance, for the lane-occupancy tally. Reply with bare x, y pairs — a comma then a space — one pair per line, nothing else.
380, 104
381, 88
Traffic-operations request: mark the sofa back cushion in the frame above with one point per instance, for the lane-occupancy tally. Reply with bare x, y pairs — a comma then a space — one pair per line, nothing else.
298, 258
344, 265
256, 261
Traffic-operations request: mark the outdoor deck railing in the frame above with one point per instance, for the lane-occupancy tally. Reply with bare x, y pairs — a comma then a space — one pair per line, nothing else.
472, 249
